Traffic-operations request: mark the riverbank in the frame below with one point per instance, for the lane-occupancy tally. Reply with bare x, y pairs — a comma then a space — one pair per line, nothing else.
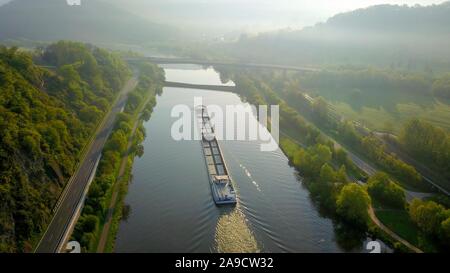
325, 165
393, 232
170, 199
116, 207
374, 227
99, 216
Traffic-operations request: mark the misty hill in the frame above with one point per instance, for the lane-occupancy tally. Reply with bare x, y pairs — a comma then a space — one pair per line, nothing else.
384, 34
393, 18
387, 22
93, 21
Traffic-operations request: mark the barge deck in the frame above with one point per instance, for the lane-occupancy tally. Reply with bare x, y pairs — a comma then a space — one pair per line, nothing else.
219, 178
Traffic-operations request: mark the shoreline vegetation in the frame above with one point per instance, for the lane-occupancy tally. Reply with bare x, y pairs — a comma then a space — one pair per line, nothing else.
51, 102
338, 185
363, 91
60, 93
114, 171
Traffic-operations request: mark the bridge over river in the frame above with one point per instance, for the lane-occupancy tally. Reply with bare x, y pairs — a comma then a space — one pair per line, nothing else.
225, 88
164, 60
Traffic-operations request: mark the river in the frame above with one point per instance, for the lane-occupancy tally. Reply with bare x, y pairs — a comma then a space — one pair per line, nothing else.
171, 207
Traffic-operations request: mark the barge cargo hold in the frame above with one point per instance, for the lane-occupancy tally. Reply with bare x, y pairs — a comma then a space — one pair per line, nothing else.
219, 178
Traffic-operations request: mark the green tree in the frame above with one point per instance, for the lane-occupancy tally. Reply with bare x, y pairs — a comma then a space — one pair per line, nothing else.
445, 231
320, 108
383, 189
90, 223
118, 142
428, 143
134, 99
353, 203
87, 240
341, 156
327, 174
341, 175
318, 155
427, 215
90, 114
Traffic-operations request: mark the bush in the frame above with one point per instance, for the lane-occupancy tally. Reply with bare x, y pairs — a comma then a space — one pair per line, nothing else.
383, 189
445, 230
90, 223
87, 240
432, 218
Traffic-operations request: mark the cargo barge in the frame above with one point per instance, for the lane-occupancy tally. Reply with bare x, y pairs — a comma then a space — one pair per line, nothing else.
220, 180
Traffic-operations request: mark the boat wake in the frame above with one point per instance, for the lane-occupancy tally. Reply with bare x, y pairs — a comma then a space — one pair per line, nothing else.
249, 175
233, 234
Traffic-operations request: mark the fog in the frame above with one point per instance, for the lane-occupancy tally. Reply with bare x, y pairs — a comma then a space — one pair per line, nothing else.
245, 15
249, 15
280, 31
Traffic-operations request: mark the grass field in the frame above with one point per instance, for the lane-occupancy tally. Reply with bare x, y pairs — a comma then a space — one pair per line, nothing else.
385, 110
382, 120
400, 222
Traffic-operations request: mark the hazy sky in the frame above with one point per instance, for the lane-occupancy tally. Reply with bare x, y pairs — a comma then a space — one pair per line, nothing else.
248, 14
253, 14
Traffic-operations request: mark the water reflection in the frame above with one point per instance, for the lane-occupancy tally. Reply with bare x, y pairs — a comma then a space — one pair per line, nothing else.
206, 76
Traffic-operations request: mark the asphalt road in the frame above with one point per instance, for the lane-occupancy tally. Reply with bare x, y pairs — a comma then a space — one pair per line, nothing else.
66, 211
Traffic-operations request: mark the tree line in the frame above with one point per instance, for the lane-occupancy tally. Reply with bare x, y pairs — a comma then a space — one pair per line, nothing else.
327, 169
324, 167
89, 226
285, 87
428, 144
50, 102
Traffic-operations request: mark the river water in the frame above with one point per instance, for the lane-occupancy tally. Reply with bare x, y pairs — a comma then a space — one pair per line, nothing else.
171, 207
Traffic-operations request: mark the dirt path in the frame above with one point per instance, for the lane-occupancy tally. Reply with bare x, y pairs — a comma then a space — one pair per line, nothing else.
123, 164
390, 232
112, 204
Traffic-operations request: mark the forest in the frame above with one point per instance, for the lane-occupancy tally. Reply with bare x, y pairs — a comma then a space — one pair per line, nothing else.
328, 170
51, 101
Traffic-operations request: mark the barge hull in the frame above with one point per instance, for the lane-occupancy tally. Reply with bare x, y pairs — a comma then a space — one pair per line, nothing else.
220, 180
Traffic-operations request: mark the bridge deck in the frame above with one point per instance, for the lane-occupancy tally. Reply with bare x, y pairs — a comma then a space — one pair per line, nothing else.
225, 88
161, 60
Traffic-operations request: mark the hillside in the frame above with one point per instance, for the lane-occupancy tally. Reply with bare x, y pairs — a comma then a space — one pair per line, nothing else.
93, 21
46, 118
407, 19
387, 35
